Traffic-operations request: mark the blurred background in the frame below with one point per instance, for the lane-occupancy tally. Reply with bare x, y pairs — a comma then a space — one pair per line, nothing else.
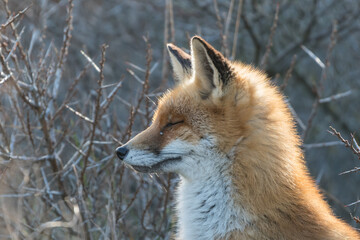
81, 77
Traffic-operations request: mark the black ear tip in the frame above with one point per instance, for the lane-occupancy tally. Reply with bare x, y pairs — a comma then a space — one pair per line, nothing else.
197, 38
170, 46
198, 42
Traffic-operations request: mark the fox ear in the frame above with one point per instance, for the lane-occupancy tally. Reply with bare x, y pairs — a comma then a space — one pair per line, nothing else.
212, 70
180, 61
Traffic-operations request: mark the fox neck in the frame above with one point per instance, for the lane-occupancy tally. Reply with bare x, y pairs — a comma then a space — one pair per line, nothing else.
206, 208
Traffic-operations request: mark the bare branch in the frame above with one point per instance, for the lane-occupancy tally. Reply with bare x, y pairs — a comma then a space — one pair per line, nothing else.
14, 18
313, 56
80, 114
90, 61
321, 145
237, 25
288, 73
97, 111
351, 204
263, 63
353, 146
335, 97
355, 169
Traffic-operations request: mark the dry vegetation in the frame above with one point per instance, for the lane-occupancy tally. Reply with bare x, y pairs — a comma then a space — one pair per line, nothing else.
63, 111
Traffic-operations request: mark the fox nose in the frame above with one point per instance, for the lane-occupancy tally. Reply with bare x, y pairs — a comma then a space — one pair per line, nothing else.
121, 152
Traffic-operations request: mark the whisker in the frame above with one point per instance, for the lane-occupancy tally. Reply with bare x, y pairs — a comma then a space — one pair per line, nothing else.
172, 153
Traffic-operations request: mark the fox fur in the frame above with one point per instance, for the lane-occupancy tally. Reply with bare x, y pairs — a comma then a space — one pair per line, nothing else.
227, 131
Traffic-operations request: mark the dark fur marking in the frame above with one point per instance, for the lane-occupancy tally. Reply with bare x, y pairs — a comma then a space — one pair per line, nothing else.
209, 72
269, 221
153, 168
156, 152
204, 95
203, 203
183, 58
236, 98
209, 210
220, 62
284, 214
201, 219
211, 195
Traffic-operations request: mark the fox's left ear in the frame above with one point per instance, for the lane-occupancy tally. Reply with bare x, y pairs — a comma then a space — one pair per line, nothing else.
180, 61
212, 71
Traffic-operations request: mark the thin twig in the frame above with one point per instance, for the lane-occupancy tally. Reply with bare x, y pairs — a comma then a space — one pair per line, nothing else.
165, 62
14, 18
313, 56
356, 219
220, 26
264, 60
80, 114
146, 81
297, 118
248, 27
171, 21
320, 86
227, 27
355, 169
288, 73
322, 145
90, 61
97, 112
236, 32
106, 103
353, 146
353, 203
335, 97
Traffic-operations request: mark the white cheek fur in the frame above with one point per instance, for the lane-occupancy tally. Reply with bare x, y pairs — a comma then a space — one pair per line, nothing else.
205, 206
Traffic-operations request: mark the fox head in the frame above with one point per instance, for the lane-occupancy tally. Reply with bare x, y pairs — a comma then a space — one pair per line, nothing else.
203, 119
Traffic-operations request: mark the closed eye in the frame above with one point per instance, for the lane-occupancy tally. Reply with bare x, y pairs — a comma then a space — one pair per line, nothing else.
170, 124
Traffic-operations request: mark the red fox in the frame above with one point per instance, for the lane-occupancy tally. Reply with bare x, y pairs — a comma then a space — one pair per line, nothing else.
227, 131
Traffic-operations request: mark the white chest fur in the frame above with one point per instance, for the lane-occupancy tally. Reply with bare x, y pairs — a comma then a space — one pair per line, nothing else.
206, 208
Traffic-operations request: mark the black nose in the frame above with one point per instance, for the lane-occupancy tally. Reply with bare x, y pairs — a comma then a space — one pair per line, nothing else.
121, 152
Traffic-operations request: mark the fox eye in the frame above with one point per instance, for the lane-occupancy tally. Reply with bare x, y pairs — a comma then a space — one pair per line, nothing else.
170, 124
